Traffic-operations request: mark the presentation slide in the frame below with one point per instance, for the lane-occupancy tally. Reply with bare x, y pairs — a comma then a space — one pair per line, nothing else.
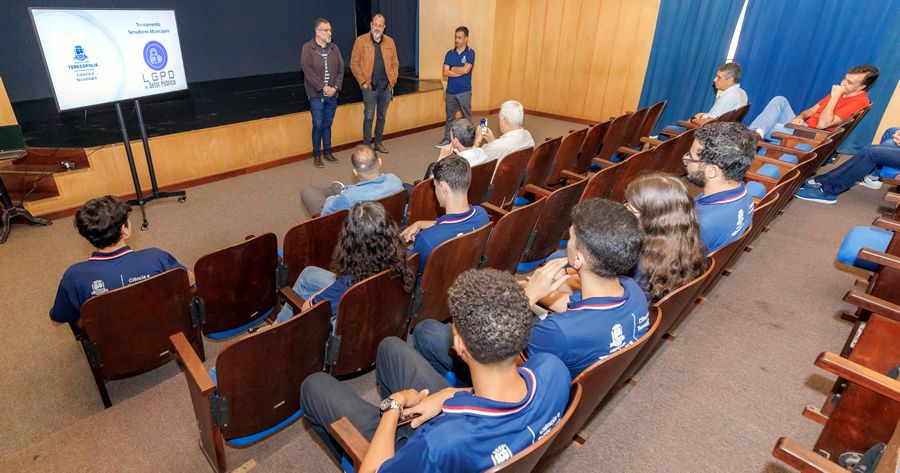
102, 56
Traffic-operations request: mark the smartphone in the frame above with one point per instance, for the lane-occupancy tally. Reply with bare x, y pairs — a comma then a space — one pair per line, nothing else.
483, 125
405, 419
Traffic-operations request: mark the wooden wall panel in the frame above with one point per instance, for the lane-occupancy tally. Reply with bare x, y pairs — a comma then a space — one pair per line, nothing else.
7, 117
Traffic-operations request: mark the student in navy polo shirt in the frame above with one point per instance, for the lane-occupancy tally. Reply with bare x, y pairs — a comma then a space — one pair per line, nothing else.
458, 64
104, 223
451, 187
719, 157
508, 409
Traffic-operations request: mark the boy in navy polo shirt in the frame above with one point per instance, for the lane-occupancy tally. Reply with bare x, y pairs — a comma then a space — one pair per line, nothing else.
451, 188
609, 311
458, 429
458, 64
104, 222
719, 158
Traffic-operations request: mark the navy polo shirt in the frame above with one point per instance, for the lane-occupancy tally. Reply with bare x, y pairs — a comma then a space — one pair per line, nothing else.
104, 272
334, 292
463, 83
593, 328
724, 216
474, 433
445, 228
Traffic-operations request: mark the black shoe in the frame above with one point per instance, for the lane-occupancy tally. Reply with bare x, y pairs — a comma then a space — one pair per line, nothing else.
317, 162
330, 158
379, 148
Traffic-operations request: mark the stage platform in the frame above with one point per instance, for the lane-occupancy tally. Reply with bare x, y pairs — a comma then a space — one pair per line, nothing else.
214, 130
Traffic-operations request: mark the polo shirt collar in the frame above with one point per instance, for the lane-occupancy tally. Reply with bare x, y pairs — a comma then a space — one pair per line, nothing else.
723, 197
468, 403
456, 218
601, 303
100, 256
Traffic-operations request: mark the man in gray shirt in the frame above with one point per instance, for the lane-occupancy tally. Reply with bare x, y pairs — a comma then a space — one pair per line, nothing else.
730, 94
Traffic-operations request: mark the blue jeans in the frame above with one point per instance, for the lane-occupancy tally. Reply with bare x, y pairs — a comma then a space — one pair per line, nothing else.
311, 280
843, 177
322, 111
772, 119
375, 100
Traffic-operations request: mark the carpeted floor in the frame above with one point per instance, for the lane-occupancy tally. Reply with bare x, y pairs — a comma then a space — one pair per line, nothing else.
715, 399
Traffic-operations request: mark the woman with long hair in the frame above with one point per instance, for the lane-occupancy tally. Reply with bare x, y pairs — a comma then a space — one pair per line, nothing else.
673, 253
368, 244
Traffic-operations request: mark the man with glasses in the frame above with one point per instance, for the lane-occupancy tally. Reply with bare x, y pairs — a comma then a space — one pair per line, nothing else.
375, 66
720, 155
323, 74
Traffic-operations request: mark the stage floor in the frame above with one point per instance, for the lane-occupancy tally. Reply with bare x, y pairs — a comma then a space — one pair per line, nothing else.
203, 105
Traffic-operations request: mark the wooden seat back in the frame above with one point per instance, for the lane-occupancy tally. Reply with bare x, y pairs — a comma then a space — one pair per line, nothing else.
566, 156
395, 205
370, 311
311, 243
480, 186
527, 459
652, 117
722, 256
590, 147
553, 224
423, 204
601, 183
541, 162
509, 177
736, 115
885, 281
238, 283
614, 137
445, 263
126, 330
597, 381
634, 128
671, 158
511, 235
630, 169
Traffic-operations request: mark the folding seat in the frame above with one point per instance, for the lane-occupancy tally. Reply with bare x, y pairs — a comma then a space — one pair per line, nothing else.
614, 138
254, 389
512, 234
566, 157
423, 204
541, 162
395, 205
509, 178
591, 147
480, 186
311, 243
553, 224
650, 120
629, 169
633, 129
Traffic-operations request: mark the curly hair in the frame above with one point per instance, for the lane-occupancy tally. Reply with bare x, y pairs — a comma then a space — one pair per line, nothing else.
609, 235
490, 312
369, 243
673, 253
728, 145
100, 220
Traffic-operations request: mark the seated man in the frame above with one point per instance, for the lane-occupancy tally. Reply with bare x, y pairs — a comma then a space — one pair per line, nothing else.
452, 177
105, 224
844, 100
826, 187
456, 430
607, 314
513, 138
372, 185
720, 156
462, 142
729, 96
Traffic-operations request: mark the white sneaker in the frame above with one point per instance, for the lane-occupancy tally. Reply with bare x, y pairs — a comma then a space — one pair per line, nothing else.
870, 181
761, 132
811, 182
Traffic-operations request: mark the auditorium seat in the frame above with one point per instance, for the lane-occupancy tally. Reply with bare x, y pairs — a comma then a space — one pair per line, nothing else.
590, 147
553, 224
509, 178
254, 389
566, 157
633, 130
480, 186
598, 184
614, 138
118, 347
395, 205
512, 234
311, 243
423, 204
541, 163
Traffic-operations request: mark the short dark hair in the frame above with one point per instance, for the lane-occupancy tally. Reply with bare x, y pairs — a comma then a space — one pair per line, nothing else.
729, 145
870, 71
463, 130
319, 21
455, 171
462, 29
363, 159
610, 235
100, 220
490, 312
732, 70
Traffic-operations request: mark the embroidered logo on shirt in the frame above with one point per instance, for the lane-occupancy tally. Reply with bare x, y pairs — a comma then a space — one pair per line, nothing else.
617, 335
97, 287
740, 223
501, 454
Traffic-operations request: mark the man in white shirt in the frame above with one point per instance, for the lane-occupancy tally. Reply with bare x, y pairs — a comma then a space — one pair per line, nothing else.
514, 136
730, 94
462, 141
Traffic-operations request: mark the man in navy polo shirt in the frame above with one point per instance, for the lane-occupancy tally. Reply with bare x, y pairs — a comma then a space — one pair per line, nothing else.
458, 64
720, 155
451, 187
104, 222
458, 429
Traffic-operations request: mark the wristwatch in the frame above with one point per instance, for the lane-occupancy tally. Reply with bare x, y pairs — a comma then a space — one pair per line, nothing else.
388, 404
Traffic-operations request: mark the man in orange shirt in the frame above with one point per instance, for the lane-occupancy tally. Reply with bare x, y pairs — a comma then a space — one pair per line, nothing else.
845, 99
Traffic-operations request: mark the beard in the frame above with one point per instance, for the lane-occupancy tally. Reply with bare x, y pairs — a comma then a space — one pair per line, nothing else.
696, 179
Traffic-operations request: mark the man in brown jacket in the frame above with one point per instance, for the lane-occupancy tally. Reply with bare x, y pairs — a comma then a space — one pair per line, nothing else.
323, 73
375, 66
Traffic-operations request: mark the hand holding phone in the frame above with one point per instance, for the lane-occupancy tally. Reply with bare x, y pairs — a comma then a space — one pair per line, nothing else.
483, 125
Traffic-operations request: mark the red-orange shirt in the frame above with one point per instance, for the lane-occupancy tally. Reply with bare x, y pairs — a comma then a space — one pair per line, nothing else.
846, 106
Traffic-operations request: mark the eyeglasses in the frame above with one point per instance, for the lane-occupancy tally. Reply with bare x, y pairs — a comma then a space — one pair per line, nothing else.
688, 159
324, 30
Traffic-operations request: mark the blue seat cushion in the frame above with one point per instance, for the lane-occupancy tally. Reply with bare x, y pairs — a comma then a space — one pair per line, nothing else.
789, 158
238, 330
769, 170
889, 172
529, 265
756, 189
863, 237
521, 201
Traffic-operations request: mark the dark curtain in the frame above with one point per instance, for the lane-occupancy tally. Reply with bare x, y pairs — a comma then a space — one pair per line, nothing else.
690, 43
799, 48
402, 18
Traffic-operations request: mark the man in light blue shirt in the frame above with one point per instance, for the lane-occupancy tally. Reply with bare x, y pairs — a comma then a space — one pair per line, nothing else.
730, 96
372, 185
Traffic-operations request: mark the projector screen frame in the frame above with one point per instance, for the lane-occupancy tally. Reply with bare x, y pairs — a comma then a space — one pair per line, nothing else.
112, 102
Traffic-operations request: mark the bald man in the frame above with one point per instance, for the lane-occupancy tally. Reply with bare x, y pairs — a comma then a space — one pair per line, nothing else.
372, 185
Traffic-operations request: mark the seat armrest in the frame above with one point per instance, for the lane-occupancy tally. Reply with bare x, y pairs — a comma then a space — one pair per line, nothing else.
819, 133
887, 224
650, 141
860, 375
781, 149
879, 258
603, 162
191, 362
573, 176
873, 304
798, 139
291, 298
892, 197
349, 438
495, 212
760, 178
776, 162
791, 452
537, 191
627, 150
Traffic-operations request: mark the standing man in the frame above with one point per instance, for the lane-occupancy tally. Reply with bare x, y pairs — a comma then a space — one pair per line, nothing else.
323, 73
458, 64
375, 66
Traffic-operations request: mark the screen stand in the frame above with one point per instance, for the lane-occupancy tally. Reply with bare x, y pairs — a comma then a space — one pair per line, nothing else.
9, 211
155, 193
